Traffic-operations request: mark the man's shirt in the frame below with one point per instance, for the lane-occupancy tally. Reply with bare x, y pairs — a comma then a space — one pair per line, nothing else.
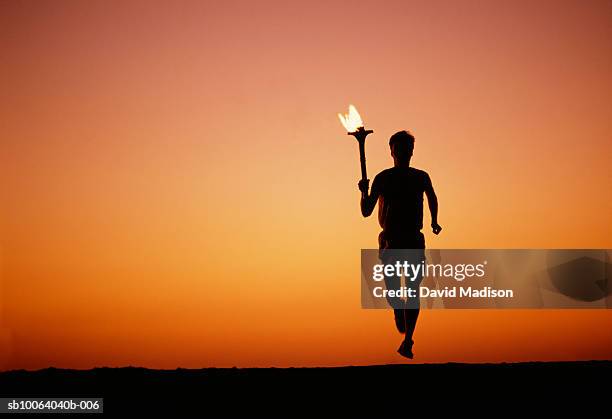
400, 202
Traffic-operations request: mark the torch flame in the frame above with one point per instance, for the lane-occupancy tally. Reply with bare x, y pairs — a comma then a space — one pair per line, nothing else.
351, 121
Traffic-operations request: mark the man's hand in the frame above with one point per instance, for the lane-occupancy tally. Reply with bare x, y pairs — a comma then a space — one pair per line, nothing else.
364, 185
435, 227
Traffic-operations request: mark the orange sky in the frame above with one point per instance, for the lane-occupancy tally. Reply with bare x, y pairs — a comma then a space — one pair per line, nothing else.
178, 191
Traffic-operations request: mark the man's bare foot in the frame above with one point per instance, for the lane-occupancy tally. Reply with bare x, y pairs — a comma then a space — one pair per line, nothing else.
405, 349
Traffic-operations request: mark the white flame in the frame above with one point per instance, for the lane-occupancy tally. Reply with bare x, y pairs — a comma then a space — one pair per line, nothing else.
351, 121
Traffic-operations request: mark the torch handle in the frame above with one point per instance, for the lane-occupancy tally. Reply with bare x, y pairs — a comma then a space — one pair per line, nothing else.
362, 159
360, 135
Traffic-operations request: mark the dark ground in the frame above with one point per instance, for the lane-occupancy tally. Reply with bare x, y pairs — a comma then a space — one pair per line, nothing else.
286, 392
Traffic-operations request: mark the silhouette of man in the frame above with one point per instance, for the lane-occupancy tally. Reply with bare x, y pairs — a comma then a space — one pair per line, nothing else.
399, 192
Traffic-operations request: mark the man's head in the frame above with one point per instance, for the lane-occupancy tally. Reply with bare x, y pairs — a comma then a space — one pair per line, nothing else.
401, 144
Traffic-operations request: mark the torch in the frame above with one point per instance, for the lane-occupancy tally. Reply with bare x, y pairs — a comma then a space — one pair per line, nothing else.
354, 125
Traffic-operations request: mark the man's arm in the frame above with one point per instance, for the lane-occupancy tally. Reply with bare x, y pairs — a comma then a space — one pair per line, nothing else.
368, 201
432, 201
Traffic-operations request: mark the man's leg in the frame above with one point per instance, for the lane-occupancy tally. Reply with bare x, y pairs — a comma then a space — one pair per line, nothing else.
400, 319
393, 282
411, 314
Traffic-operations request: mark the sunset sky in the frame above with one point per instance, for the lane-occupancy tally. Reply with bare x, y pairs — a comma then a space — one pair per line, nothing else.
176, 189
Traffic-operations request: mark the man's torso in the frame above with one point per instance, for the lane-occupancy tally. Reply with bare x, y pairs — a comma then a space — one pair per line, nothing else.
400, 206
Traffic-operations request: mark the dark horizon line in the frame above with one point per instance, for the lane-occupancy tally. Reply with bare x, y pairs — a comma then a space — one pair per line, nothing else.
606, 362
